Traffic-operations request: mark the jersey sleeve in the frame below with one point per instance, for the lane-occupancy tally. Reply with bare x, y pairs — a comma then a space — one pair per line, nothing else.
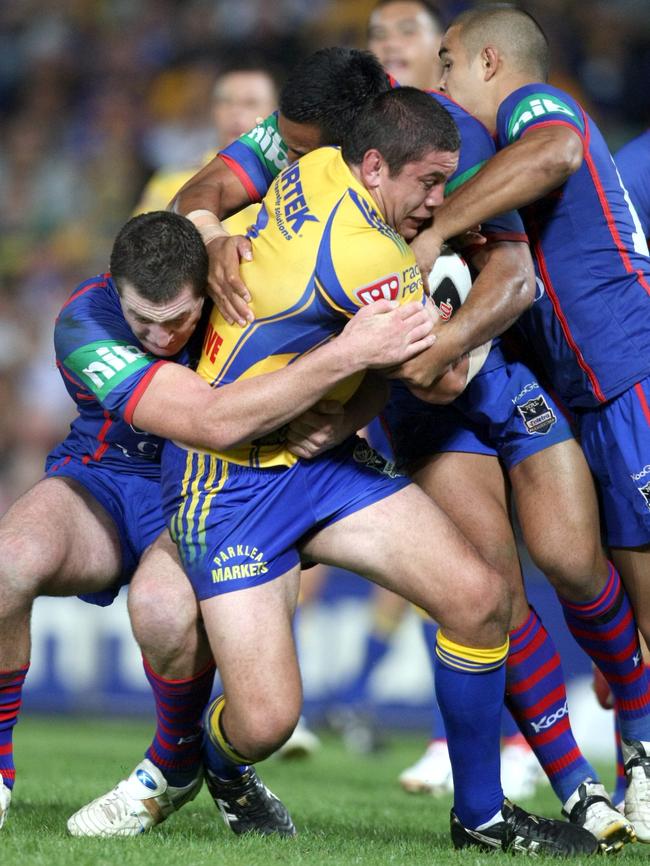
98, 352
362, 260
477, 147
257, 157
537, 105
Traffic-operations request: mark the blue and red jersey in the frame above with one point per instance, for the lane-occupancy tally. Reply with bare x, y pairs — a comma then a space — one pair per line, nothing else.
106, 370
633, 162
589, 321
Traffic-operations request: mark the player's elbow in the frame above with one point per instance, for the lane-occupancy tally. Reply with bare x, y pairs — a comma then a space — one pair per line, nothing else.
563, 159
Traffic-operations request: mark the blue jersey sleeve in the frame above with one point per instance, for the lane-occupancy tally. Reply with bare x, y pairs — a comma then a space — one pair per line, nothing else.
537, 105
98, 354
257, 157
633, 162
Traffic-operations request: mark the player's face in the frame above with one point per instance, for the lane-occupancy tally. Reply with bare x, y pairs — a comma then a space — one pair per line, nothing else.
406, 41
410, 197
163, 329
462, 77
300, 138
241, 100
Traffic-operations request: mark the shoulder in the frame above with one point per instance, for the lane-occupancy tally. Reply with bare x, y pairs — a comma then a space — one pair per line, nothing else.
537, 104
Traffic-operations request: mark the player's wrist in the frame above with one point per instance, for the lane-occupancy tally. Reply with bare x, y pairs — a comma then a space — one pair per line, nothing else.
208, 225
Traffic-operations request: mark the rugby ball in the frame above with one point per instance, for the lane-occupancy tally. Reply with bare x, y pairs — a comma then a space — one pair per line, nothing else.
450, 282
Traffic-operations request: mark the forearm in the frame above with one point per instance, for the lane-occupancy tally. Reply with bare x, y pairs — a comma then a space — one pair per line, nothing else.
179, 405
523, 172
503, 289
214, 188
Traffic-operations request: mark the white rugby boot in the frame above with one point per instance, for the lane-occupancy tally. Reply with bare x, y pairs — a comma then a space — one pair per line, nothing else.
521, 772
431, 774
5, 799
636, 756
134, 806
301, 744
590, 807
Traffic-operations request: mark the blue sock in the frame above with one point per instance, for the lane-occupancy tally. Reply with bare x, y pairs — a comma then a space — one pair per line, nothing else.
470, 685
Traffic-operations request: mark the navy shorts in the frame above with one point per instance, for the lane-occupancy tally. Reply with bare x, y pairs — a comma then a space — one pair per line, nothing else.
616, 441
132, 502
237, 526
504, 412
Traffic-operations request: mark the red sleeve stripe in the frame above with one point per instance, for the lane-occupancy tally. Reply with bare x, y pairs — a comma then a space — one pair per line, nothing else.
142, 386
97, 284
243, 176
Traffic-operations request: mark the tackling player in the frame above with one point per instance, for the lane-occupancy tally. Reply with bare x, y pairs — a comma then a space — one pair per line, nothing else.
85, 527
633, 163
242, 517
588, 321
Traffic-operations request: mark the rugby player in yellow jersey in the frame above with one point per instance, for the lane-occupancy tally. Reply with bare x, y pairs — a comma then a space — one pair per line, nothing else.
325, 243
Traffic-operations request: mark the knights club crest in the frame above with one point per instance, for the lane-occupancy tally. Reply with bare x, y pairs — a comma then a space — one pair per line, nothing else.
537, 415
645, 492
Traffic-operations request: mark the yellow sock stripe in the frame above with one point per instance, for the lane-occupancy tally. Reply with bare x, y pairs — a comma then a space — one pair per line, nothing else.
194, 496
207, 502
216, 735
470, 659
177, 522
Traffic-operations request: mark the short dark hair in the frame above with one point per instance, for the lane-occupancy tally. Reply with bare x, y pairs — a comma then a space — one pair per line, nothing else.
513, 29
330, 87
432, 10
159, 253
403, 125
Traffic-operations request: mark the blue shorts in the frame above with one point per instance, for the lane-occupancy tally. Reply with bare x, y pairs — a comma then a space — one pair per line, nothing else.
238, 527
616, 441
132, 502
503, 412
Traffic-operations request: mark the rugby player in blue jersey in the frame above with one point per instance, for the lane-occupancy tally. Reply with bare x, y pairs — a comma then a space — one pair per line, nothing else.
504, 261
97, 514
588, 323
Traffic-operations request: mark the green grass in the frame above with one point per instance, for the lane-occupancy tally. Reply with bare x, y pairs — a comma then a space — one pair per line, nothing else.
348, 809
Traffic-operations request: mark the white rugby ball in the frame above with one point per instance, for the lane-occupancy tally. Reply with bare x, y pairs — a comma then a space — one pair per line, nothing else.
450, 282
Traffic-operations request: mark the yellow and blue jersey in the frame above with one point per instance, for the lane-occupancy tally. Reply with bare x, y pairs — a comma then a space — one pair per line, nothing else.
321, 250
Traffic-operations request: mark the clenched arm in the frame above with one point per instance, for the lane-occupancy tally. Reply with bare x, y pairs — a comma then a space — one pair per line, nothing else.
178, 404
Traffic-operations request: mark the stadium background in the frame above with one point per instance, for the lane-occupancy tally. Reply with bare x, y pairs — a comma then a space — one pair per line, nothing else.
94, 96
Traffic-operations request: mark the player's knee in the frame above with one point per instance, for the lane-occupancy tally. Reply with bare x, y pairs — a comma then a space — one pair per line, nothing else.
576, 570
267, 726
26, 565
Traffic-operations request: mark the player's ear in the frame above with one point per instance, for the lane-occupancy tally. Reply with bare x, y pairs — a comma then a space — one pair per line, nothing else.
372, 167
489, 61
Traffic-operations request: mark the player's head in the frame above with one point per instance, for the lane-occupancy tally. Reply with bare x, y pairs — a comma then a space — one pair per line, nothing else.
405, 35
403, 147
323, 95
487, 53
159, 265
243, 94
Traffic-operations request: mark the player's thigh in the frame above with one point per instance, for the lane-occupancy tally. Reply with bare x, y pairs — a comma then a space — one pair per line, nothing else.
251, 635
165, 614
558, 510
58, 536
473, 490
406, 543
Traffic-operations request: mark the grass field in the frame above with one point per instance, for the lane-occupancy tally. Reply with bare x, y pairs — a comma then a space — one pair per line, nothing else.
348, 809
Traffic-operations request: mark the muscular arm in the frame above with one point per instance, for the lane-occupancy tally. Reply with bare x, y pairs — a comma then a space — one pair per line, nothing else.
179, 404
521, 173
215, 188
503, 289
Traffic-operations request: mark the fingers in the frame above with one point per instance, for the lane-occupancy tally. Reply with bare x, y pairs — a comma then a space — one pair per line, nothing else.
414, 348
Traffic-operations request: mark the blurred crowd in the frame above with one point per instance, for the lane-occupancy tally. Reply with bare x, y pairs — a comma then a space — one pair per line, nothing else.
96, 96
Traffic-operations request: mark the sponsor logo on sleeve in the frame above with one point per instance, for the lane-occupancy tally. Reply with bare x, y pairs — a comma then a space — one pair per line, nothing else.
105, 364
538, 105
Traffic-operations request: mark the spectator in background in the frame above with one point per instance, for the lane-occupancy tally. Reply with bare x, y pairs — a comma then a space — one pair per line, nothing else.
241, 97
405, 35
